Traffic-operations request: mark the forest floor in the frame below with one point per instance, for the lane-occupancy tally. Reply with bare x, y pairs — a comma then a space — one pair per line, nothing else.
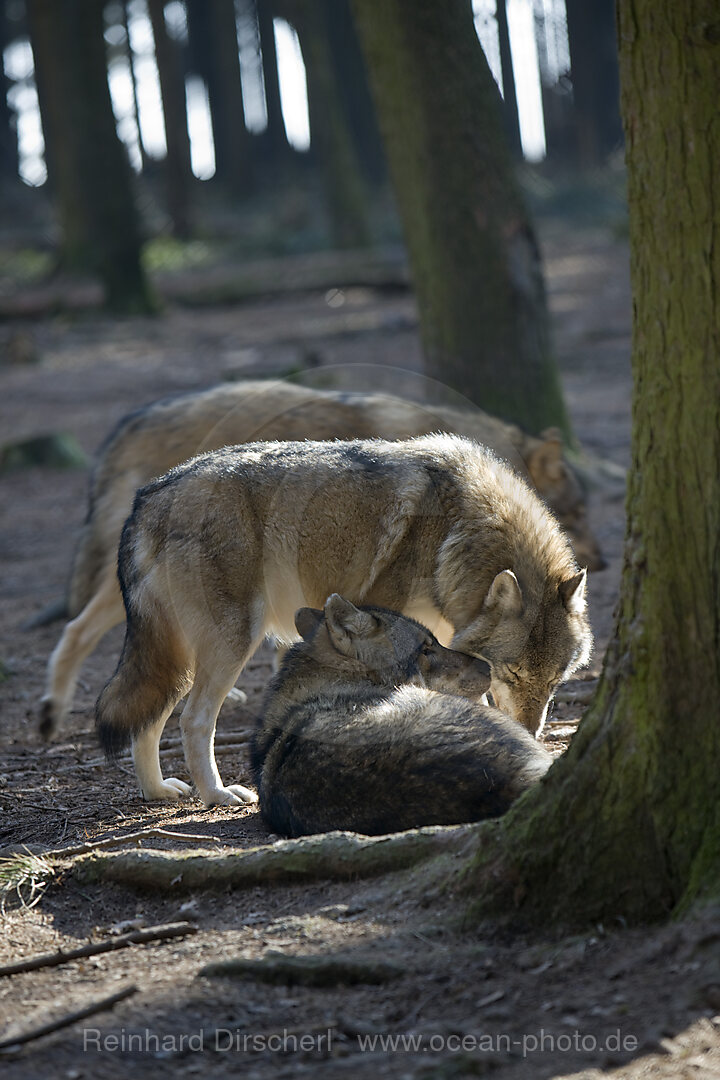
627, 1002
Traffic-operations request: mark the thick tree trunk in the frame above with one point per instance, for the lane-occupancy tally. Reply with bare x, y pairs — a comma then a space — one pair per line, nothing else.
178, 171
329, 131
627, 824
474, 258
90, 169
594, 73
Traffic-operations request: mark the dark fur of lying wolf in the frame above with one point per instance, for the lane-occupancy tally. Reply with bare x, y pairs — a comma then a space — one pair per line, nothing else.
372, 726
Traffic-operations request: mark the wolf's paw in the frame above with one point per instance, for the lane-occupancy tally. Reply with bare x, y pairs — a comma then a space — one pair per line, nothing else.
237, 696
234, 795
170, 790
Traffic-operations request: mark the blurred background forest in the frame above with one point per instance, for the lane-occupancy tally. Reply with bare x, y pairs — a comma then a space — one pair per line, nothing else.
246, 128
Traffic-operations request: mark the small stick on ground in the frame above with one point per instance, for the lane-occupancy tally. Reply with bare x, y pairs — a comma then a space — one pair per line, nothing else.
95, 948
69, 1018
128, 838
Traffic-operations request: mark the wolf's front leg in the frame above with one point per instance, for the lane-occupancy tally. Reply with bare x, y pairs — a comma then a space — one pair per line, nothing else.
197, 724
146, 757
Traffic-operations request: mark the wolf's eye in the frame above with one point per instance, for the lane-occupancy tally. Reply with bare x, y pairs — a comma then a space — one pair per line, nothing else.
426, 649
513, 675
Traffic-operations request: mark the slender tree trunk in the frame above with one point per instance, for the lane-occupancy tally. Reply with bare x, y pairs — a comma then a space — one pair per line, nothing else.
9, 160
91, 172
144, 159
627, 824
475, 261
510, 105
279, 150
595, 79
354, 90
212, 29
178, 171
329, 132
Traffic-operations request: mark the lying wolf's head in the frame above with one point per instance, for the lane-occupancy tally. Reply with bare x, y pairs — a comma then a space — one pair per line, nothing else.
530, 647
388, 648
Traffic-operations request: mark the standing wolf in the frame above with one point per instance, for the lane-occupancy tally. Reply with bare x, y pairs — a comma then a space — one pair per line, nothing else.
355, 735
152, 440
224, 549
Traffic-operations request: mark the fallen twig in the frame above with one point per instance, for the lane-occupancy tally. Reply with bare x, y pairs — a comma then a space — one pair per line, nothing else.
128, 838
95, 948
69, 1018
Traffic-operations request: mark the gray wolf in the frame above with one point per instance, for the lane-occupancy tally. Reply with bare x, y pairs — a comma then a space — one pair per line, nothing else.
223, 550
152, 440
368, 727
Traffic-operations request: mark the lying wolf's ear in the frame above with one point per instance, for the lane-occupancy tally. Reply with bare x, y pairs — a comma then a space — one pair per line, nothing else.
307, 620
504, 594
572, 593
545, 462
345, 622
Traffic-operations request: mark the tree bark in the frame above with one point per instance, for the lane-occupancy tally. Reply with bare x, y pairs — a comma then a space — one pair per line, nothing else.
329, 132
90, 169
473, 253
627, 824
177, 167
595, 80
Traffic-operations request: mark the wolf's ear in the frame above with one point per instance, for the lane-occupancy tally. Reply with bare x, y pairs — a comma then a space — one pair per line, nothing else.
545, 462
572, 593
307, 620
504, 594
345, 623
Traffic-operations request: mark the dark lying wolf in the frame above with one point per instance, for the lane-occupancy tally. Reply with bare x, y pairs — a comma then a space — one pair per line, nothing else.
355, 735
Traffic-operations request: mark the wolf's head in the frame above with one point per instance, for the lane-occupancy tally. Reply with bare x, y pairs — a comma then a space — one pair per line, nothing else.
560, 488
388, 648
531, 647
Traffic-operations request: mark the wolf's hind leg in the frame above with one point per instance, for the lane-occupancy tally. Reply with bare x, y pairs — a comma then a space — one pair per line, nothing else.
78, 640
197, 724
146, 758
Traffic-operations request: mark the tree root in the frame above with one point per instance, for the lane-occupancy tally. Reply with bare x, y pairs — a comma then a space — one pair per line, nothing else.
330, 855
315, 971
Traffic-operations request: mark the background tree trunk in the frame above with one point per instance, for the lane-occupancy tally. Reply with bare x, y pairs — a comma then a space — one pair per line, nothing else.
329, 131
90, 169
595, 80
9, 160
354, 90
177, 168
627, 824
510, 105
475, 261
212, 29
279, 150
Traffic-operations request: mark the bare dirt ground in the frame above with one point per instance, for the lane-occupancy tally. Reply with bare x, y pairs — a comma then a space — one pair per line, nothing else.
631, 1002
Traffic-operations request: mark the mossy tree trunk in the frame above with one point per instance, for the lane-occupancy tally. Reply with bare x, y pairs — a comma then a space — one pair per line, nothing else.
474, 258
627, 824
89, 168
330, 136
177, 168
